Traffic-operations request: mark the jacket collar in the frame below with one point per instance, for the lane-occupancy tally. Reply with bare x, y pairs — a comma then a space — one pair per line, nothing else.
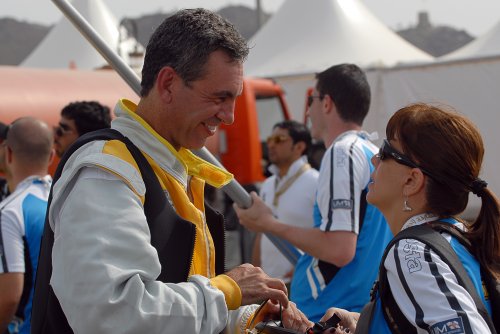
180, 164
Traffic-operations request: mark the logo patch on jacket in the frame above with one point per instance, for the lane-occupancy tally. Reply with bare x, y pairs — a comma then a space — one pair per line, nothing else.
341, 204
452, 326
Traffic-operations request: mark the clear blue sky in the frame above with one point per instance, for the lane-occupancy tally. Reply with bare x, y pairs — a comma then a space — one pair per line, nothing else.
476, 16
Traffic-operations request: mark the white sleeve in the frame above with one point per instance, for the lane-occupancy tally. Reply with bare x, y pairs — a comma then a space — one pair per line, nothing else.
427, 291
11, 242
238, 319
105, 269
343, 176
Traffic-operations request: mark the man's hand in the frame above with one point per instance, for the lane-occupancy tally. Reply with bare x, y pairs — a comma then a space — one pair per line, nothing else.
11, 289
291, 316
348, 320
257, 217
256, 285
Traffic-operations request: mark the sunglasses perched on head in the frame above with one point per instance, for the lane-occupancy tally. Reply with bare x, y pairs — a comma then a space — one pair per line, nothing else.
311, 98
277, 139
387, 151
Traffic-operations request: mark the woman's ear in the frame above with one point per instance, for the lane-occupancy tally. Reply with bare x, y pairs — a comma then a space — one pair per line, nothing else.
414, 182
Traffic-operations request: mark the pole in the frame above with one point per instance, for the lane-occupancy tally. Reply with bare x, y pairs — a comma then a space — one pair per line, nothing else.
233, 189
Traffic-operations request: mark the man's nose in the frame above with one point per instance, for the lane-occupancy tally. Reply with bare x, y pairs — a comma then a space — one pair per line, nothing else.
226, 113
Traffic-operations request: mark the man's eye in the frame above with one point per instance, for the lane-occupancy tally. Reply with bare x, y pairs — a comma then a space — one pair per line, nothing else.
219, 100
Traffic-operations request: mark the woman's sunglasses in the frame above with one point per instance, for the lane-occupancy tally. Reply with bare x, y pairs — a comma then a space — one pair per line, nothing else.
387, 151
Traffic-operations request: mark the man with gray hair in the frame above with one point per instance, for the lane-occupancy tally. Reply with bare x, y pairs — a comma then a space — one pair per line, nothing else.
114, 270
28, 153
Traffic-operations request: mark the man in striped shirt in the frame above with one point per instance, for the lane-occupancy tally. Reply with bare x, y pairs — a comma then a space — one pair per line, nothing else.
343, 249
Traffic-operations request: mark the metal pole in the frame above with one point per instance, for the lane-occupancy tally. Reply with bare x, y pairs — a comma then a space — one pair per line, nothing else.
233, 189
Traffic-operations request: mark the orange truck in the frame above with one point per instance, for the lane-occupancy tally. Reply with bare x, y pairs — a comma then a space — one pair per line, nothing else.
42, 93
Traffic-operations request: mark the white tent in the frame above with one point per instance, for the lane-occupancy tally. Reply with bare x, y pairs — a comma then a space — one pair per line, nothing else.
65, 47
305, 37
486, 45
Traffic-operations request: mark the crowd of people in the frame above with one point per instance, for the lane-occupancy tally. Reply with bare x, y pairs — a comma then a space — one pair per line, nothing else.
121, 239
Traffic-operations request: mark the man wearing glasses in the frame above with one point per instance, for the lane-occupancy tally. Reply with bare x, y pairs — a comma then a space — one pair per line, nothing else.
78, 118
290, 192
343, 250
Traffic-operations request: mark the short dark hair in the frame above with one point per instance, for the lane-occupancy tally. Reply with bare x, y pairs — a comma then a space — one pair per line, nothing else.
87, 115
185, 40
347, 86
297, 131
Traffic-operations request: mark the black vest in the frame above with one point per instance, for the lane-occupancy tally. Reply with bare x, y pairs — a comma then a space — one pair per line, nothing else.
172, 237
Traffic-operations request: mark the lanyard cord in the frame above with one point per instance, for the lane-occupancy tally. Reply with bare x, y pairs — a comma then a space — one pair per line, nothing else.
288, 183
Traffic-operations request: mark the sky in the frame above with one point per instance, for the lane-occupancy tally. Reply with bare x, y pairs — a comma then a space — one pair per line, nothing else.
475, 16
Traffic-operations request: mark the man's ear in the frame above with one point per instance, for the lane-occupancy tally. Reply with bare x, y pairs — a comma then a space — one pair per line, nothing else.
328, 104
8, 154
300, 148
164, 83
52, 155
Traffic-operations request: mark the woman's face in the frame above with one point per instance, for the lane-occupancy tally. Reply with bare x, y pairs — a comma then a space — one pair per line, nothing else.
385, 191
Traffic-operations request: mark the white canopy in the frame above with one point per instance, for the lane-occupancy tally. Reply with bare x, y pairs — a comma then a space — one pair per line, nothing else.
485, 46
65, 47
309, 36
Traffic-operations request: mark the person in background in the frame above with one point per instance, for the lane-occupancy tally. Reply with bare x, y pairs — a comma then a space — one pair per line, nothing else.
107, 274
78, 118
290, 192
4, 189
343, 249
28, 153
424, 172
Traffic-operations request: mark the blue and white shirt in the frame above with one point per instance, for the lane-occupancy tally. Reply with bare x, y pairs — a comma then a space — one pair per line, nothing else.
22, 217
343, 180
427, 291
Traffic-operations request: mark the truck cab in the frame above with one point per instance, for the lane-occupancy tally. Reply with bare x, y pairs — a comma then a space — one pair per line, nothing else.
241, 146
42, 93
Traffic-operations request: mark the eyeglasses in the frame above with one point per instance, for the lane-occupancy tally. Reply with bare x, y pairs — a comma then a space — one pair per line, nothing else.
62, 129
277, 139
387, 151
311, 98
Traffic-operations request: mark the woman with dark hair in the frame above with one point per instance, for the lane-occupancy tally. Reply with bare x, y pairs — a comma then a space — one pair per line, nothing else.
424, 172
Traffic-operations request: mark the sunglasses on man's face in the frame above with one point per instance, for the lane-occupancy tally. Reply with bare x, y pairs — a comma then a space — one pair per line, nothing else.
62, 129
311, 98
277, 139
388, 152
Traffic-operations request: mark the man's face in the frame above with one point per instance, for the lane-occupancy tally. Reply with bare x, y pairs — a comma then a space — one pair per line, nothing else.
315, 114
65, 134
195, 111
281, 149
